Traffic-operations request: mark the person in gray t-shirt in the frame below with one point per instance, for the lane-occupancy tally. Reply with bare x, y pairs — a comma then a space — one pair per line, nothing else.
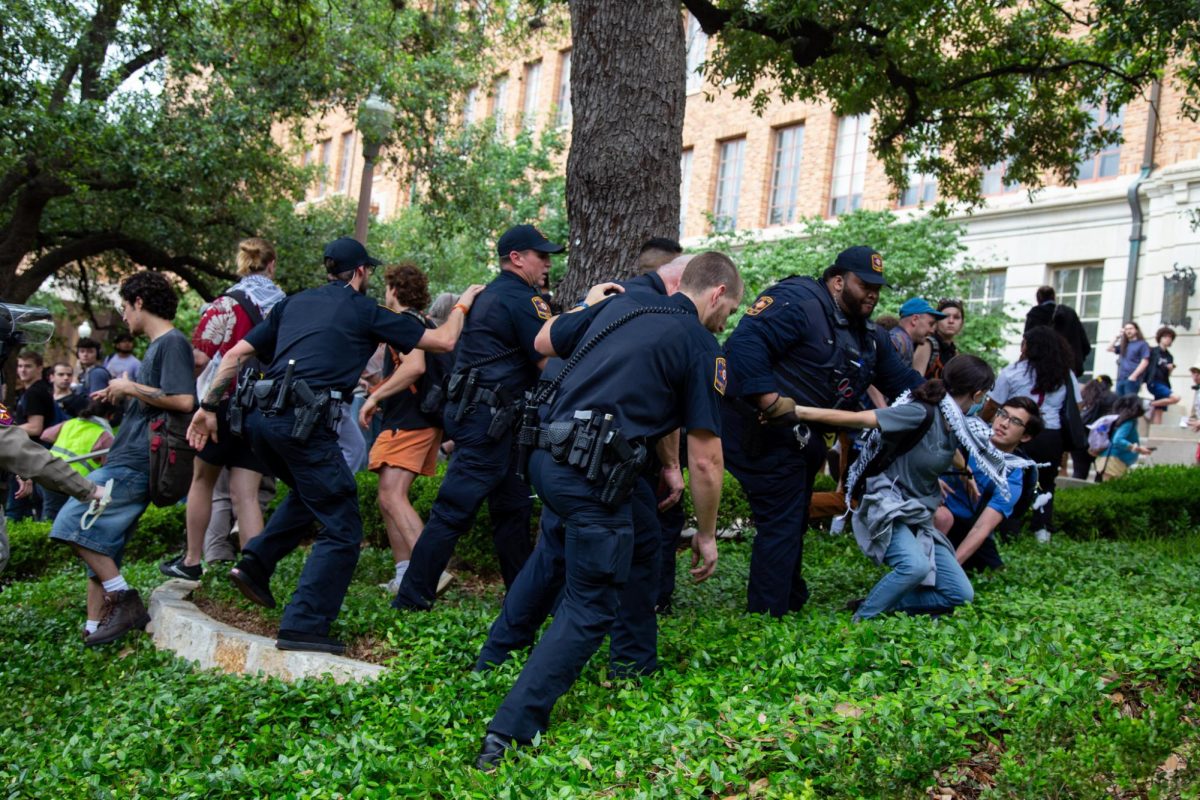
894, 520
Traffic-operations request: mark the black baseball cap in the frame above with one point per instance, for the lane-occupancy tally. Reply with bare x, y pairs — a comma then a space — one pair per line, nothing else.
525, 237
864, 262
345, 254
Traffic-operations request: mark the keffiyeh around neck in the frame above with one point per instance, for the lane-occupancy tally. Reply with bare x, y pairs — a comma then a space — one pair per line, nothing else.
261, 290
972, 433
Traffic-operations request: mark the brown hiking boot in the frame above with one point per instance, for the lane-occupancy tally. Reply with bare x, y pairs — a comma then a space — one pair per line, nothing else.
123, 612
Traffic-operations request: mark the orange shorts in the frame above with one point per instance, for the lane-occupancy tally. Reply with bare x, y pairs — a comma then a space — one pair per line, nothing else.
415, 451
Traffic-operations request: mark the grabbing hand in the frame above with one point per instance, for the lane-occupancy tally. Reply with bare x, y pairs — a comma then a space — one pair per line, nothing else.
602, 291
24, 488
704, 556
202, 428
117, 389
468, 296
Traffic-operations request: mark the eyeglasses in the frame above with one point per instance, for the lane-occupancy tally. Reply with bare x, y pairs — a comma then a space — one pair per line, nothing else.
1004, 415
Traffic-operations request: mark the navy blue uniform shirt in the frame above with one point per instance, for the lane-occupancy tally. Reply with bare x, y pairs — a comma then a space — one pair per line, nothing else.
655, 373
787, 321
508, 313
331, 332
646, 283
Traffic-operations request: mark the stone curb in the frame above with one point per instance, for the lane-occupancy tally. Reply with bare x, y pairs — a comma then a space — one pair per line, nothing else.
179, 626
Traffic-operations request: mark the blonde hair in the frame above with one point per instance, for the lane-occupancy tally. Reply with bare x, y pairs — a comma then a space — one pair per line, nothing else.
254, 254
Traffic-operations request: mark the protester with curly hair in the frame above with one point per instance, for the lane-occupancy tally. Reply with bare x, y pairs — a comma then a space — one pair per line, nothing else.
407, 445
165, 382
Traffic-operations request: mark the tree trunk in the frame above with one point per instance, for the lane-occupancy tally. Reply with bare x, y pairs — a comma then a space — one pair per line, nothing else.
627, 96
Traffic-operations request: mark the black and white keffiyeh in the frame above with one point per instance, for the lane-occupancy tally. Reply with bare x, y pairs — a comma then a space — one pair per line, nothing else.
972, 433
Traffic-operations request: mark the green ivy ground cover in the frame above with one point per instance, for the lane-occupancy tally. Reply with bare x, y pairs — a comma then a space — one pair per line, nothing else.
1074, 675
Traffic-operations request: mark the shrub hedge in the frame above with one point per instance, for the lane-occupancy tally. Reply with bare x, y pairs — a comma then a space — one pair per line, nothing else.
1154, 501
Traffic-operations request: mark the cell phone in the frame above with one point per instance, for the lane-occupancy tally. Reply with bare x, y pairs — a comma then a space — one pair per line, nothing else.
1152, 447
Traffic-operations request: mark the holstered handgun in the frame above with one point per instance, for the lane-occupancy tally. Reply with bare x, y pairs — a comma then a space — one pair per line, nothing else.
465, 404
623, 477
243, 398
503, 418
527, 434
308, 409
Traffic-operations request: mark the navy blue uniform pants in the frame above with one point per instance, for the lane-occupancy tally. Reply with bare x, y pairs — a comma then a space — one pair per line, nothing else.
533, 596
778, 484
323, 490
670, 523
598, 551
479, 469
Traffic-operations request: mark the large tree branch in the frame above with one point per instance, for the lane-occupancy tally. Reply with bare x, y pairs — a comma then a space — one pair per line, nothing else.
141, 252
808, 39
94, 45
131, 67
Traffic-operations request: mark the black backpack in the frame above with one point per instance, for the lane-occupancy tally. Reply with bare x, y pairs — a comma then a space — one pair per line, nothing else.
893, 448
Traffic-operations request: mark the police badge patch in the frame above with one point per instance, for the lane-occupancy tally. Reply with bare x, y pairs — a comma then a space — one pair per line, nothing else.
877, 262
721, 375
541, 307
760, 305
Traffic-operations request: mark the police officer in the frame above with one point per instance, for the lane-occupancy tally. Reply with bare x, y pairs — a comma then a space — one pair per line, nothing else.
807, 342
643, 372
495, 363
316, 344
531, 597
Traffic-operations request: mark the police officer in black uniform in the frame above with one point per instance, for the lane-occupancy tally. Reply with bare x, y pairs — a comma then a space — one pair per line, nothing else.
802, 342
531, 597
315, 345
642, 372
495, 363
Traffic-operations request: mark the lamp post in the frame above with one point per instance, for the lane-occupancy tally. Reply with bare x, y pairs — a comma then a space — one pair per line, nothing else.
375, 118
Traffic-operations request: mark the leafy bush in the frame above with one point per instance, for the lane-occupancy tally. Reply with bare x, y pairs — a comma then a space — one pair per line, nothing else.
1072, 675
1149, 501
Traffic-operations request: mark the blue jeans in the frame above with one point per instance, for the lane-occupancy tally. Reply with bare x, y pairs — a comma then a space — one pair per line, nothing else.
901, 589
1127, 387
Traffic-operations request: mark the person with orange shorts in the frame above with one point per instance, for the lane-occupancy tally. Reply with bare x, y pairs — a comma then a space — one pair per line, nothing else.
410, 436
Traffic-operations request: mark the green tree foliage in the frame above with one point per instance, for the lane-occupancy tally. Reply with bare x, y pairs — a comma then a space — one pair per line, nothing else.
149, 132
954, 86
470, 187
923, 257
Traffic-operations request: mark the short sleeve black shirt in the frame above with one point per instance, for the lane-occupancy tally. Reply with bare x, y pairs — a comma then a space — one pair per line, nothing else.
506, 315
654, 373
331, 332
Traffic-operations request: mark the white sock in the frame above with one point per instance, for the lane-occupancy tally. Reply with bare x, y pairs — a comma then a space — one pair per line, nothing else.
91, 625
116, 584
401, 568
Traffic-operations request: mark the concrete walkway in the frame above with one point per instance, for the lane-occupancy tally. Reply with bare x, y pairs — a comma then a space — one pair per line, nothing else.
179, 626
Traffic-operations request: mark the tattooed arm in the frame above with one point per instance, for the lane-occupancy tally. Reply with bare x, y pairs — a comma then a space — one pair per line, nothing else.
204, 423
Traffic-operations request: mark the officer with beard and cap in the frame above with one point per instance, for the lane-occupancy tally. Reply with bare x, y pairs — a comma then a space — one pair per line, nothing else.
315, 345
811, 342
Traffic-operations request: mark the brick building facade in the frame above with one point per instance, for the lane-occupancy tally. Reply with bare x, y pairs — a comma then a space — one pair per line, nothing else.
761, 173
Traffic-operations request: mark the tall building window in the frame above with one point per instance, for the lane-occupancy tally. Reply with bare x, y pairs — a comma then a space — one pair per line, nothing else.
994, 180
325, 149
1080, 287
500, 102
533, 80
562, 116
849, 164
1107, 162
697, 48
347, 162
922, 188
685, 187
471, 106
785, 175
985, 291
729, 184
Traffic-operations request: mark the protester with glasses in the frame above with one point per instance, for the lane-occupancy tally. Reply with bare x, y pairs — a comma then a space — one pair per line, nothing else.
1043, 372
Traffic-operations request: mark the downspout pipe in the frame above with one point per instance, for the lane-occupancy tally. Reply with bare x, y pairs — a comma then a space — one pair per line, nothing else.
1136, 233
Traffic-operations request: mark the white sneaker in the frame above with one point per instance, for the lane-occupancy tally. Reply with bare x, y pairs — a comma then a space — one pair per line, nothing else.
1042, 535
444, 580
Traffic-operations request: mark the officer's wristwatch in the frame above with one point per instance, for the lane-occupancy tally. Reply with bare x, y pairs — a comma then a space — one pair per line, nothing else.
209, 407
